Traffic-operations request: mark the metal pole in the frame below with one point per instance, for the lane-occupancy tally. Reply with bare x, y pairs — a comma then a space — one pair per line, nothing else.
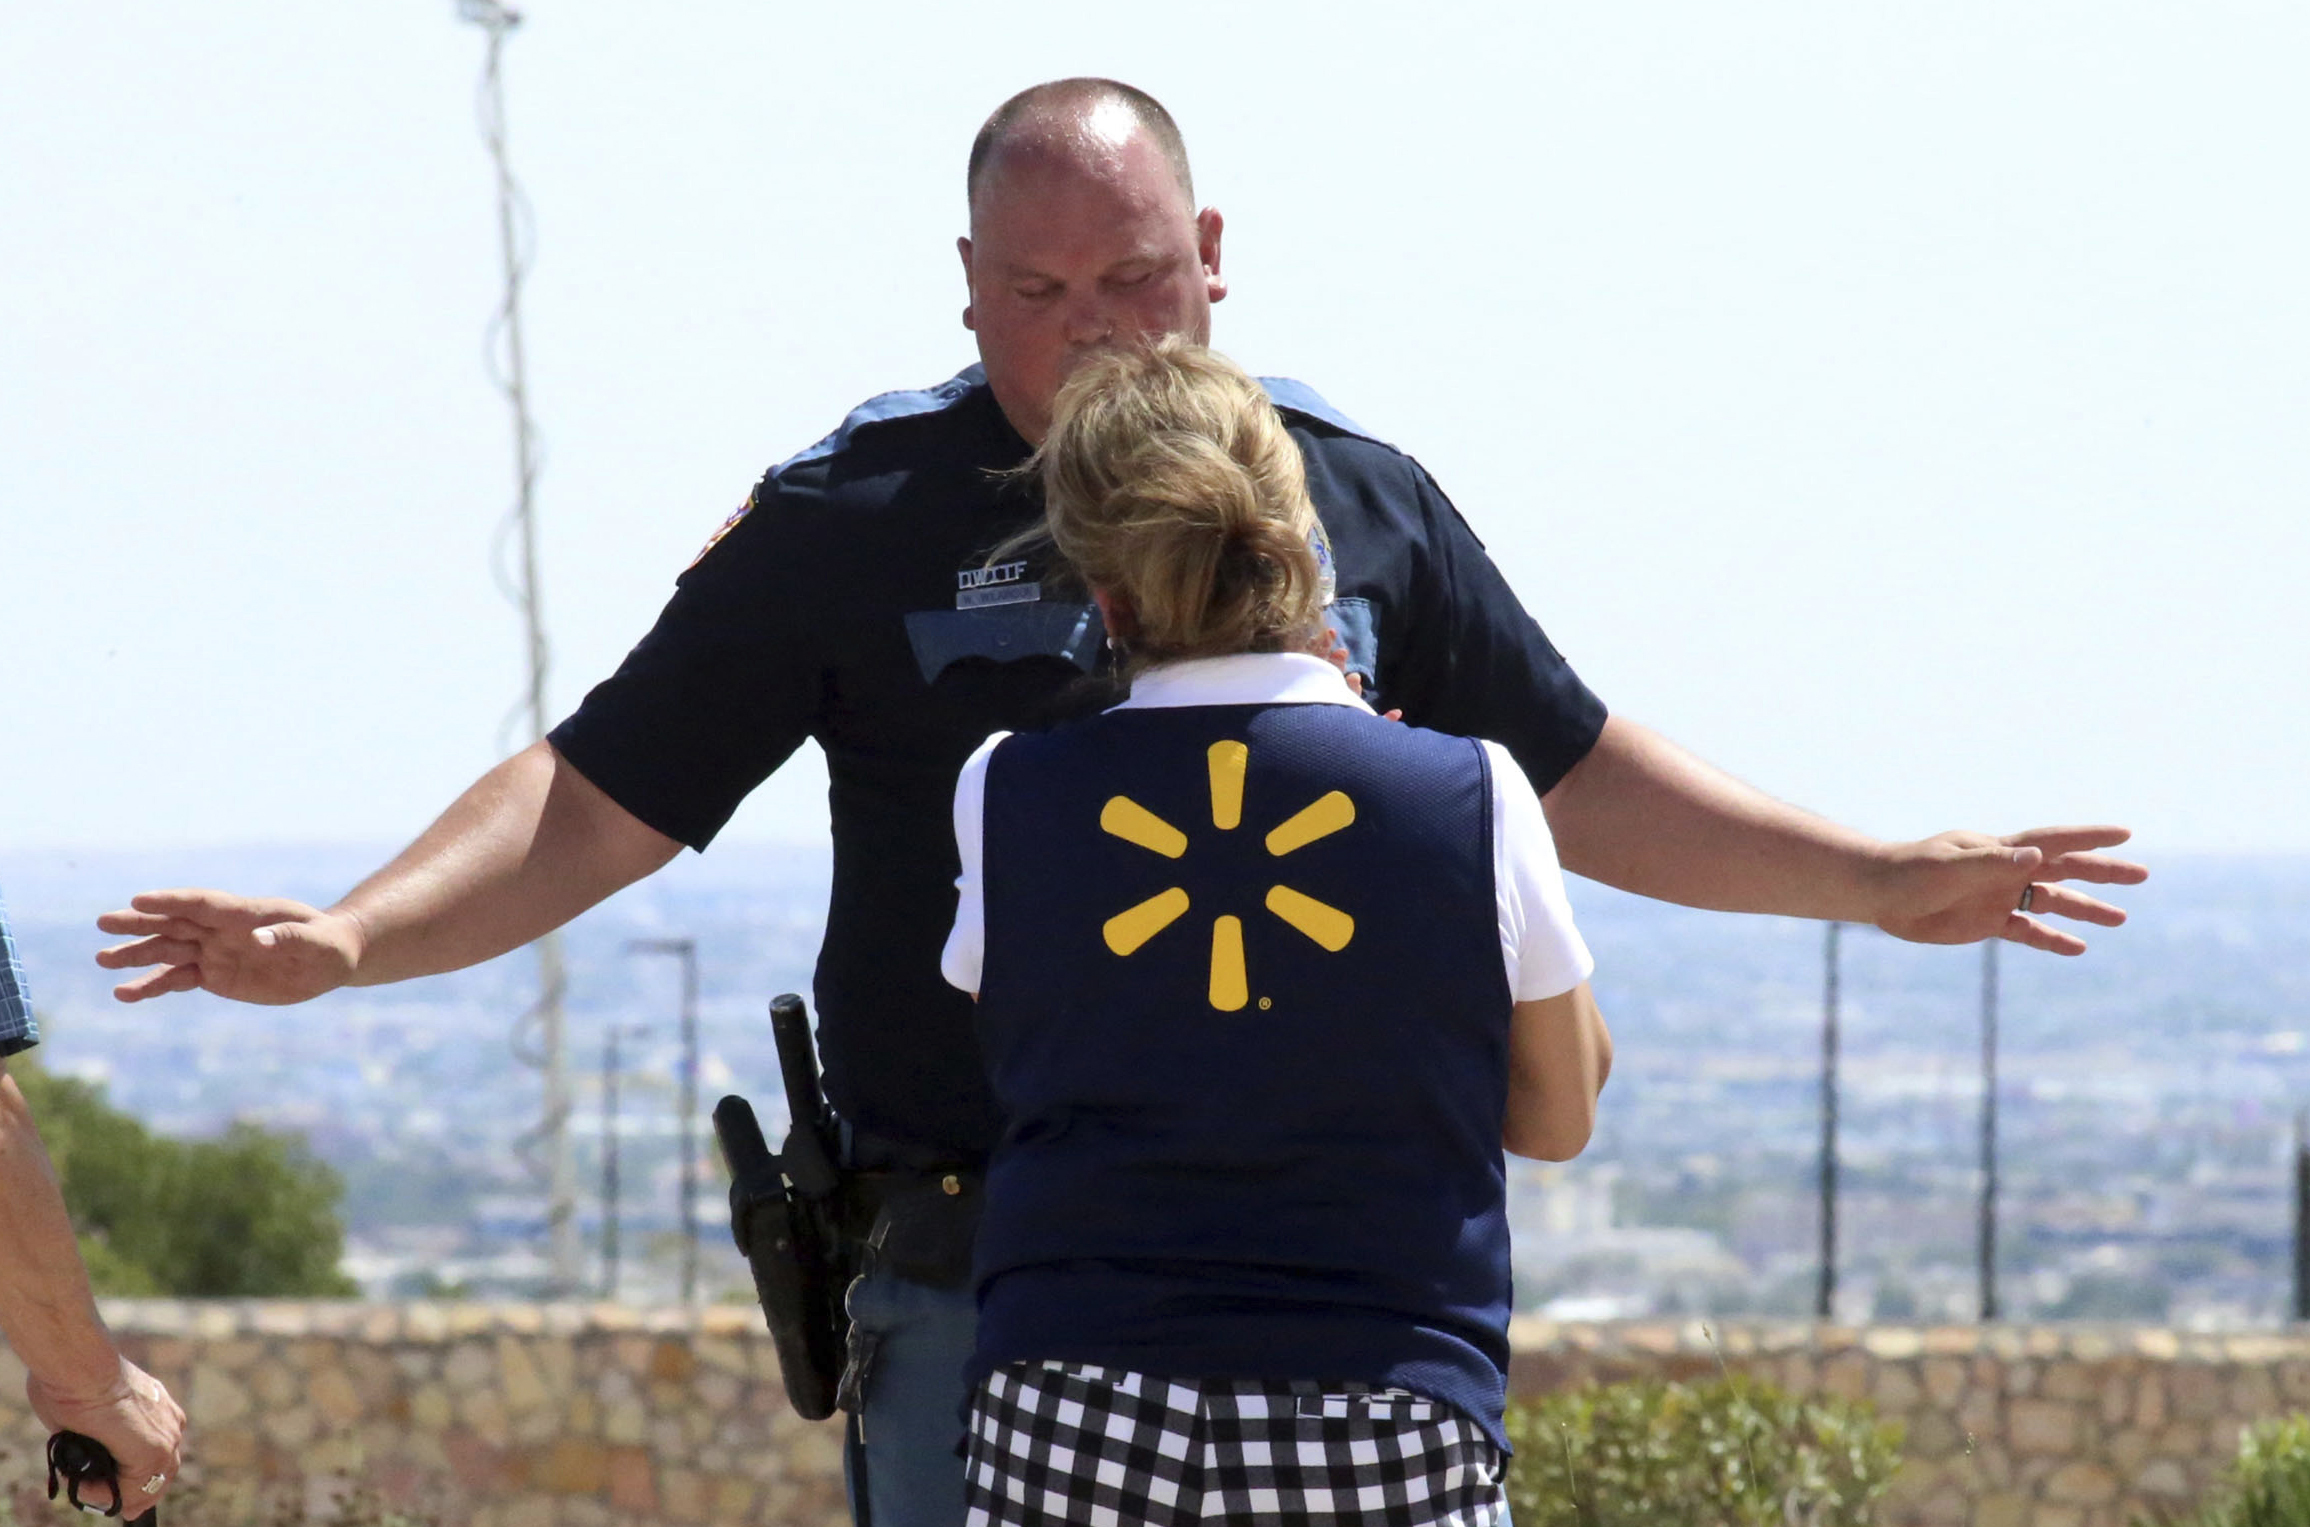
2302, 1216
552, 1131
1828, 1291
1988, 1235
687, 950
610, 1164
561, 1225
689, 1122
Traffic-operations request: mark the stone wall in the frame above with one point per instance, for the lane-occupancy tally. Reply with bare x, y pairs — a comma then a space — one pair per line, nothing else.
602, 1416
466, 1416
2008, 1426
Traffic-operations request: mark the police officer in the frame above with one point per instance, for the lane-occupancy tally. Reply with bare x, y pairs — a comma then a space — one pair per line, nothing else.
849, 602
78, 1379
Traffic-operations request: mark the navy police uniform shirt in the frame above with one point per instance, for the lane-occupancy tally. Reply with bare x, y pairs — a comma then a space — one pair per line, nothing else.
849, 601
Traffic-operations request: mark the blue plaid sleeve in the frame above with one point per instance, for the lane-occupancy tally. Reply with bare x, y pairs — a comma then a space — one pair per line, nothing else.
17, 1030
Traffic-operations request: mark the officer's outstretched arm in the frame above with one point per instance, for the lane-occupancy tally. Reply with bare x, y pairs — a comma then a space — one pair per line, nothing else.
531, 845
1559, 1053
1642, 814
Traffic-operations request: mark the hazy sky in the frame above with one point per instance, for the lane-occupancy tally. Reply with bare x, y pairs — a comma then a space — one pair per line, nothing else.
1906, 407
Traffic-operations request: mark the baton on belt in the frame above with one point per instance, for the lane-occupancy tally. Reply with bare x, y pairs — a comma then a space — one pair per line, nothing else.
808, 1156
783, 1215
75, 1460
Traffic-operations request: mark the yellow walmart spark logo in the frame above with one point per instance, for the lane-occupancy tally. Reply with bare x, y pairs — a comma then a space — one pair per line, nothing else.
1125, 818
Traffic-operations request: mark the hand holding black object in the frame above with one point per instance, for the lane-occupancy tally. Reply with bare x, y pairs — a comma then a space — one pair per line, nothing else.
140, 1426
75, 1460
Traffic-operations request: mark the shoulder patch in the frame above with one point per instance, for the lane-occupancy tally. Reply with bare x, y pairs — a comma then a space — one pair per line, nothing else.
875, 410
1299, 398
728, 525
887, 406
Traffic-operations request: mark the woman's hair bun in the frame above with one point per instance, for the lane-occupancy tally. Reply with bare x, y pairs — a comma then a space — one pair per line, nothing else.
1169, 480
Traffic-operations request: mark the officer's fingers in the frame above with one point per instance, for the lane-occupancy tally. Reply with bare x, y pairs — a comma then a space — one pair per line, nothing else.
149, 951
2056, 841
2101, 869
2020, 928
2060, 901
218, 909
147, 924
160, 983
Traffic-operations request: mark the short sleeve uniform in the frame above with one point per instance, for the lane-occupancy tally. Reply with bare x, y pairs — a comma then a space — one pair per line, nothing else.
18, 1032
850, 601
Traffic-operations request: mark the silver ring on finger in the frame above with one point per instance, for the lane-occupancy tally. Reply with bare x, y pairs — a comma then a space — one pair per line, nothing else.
2028, 894
154, 1485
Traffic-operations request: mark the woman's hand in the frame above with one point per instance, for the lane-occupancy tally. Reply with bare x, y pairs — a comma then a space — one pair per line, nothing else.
1337, 651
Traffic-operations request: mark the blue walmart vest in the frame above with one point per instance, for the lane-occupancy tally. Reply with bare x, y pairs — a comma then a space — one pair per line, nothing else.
1244, 1011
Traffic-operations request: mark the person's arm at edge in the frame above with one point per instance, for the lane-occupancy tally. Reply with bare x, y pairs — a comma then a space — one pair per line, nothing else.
527, 847
1642, 814
1559, 1054
48, 1314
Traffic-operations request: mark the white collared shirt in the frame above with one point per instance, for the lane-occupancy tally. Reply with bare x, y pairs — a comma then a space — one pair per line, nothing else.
1541, 949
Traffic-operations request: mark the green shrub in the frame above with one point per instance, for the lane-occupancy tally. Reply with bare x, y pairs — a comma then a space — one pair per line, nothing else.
2269, 1485
249, 1214
1727, 1453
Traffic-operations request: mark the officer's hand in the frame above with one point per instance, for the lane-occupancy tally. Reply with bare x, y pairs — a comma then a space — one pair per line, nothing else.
270, 950
1962, 887
133, 1416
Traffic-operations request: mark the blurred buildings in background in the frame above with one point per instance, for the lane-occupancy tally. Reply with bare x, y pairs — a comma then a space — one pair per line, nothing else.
2147, 1097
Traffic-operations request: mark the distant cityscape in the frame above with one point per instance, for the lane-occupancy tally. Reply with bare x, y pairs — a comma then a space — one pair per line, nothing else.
2147, 1093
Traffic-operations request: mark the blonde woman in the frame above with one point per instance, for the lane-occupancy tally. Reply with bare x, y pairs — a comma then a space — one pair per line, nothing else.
1265, 984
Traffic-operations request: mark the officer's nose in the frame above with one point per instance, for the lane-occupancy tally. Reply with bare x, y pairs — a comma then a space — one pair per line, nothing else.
1089, 324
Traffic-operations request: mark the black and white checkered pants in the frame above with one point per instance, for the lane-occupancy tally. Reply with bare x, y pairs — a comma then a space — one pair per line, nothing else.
1054, 1443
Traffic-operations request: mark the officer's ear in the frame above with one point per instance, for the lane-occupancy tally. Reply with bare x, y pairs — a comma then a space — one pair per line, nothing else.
1209, 225
962, 246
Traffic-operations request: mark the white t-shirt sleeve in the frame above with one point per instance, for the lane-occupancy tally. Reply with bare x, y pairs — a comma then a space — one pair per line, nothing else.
1544, 953
966, 942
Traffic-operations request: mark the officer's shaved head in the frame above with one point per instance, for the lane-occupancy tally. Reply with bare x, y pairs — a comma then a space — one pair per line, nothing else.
1078, 119
1084, 235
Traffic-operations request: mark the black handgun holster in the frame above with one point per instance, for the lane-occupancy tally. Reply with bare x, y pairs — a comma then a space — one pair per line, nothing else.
787, 1214
809, 1226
